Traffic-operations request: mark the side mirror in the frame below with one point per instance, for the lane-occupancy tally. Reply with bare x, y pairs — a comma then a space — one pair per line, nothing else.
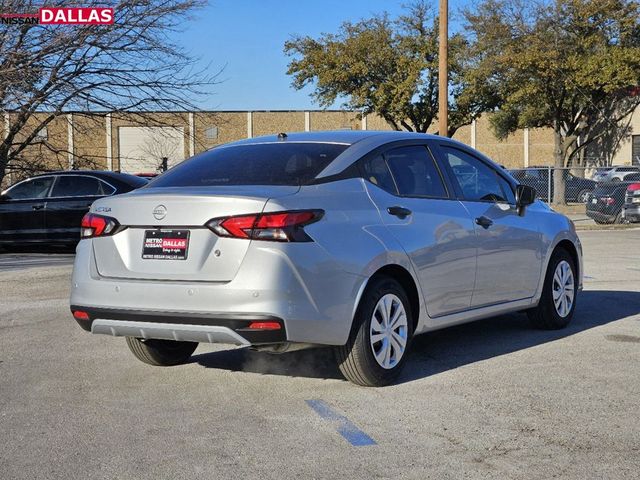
525, 195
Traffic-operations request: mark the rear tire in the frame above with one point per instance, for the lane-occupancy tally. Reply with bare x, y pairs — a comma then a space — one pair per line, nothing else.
559, 294
618, 219
380, 336
583, 196
161, 353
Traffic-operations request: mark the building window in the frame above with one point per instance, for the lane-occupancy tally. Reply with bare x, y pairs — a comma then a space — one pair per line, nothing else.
635, 150
211, 133
42, 135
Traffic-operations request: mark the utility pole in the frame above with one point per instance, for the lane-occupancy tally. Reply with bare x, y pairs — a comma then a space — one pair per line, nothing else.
443, 70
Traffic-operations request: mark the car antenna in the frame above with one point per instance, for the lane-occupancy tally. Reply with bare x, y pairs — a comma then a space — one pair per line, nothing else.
282, 136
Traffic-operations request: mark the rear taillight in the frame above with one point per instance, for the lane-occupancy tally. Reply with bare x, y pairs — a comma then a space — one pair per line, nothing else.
265, 326
607, 200
634, 187
80, 315
97, 226
275, 227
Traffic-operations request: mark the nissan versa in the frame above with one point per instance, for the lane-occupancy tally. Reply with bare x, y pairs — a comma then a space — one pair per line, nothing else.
356, 240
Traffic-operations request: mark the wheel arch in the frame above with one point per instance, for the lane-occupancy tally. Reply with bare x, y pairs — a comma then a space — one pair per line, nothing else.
570, 247
408, 283
570, 244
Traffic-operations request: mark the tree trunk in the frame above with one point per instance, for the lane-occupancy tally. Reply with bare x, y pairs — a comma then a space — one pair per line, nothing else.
4, 160
558, 174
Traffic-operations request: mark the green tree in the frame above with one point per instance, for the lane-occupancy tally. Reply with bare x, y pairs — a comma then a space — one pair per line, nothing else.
571, 65
388, 67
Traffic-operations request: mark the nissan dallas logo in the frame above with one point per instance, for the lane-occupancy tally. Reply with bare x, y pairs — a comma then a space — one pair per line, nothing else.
160, 212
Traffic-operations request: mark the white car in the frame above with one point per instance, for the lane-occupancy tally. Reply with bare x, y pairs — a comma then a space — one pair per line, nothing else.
617, 174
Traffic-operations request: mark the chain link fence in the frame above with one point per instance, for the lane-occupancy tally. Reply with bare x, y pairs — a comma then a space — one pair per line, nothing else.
578, 182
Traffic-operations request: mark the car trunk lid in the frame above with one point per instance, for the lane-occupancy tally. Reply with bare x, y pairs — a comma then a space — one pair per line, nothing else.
176, 218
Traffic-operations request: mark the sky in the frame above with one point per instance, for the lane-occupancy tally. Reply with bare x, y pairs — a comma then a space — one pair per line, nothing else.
245, 40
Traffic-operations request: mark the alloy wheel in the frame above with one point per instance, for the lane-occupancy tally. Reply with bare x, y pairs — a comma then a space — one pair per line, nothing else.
388, 331
563, 288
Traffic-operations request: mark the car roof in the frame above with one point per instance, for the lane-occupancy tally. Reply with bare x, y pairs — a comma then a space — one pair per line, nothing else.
359, 141
345, 137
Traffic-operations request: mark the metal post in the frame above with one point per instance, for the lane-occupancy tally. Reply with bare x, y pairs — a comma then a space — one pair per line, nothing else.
70, 149
107, 124
443, 72
526, 148
549, 180
192, 134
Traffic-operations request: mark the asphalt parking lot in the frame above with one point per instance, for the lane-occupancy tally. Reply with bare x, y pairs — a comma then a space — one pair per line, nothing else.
493, 399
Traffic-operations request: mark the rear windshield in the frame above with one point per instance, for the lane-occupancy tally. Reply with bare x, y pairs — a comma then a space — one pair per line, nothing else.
264, 164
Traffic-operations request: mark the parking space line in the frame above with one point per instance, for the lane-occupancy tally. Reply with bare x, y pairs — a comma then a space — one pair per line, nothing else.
344, 426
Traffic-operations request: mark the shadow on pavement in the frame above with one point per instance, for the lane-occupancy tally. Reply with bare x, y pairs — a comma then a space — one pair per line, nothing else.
443, 350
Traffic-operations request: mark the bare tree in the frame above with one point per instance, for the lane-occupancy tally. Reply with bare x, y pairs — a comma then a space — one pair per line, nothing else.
127, 68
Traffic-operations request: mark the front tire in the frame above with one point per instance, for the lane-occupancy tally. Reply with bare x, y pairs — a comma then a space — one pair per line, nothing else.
380, 336
559, 294
161, 353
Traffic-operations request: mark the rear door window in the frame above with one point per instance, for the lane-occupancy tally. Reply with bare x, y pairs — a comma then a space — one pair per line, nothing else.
80, 186
415, 172
253, 164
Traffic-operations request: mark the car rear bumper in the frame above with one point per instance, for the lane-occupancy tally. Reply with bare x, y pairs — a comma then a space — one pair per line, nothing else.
601, 216
207, 328
631, 212
313, 298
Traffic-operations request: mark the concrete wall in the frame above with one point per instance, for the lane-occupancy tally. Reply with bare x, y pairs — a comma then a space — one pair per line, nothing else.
268, 123
90, 141
623, 155
335, 121
94, 139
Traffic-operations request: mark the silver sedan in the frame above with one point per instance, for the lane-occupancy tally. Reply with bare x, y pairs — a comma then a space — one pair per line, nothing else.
357, 240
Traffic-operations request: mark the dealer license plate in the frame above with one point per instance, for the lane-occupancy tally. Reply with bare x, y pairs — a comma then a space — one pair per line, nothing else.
165, 244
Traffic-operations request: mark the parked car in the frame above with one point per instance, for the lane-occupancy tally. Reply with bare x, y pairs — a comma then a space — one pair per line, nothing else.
619, 173
606, 201
601, 173
631, 207
576, 189
356, 240
47, 209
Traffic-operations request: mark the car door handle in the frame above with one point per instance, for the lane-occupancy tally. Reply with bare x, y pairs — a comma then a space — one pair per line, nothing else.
38, 207
399, 212
484, 222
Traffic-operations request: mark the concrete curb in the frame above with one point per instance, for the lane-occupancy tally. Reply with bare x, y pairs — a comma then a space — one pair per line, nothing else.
608, 227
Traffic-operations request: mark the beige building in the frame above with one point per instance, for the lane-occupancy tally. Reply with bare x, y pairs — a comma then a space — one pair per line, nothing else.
138, 142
